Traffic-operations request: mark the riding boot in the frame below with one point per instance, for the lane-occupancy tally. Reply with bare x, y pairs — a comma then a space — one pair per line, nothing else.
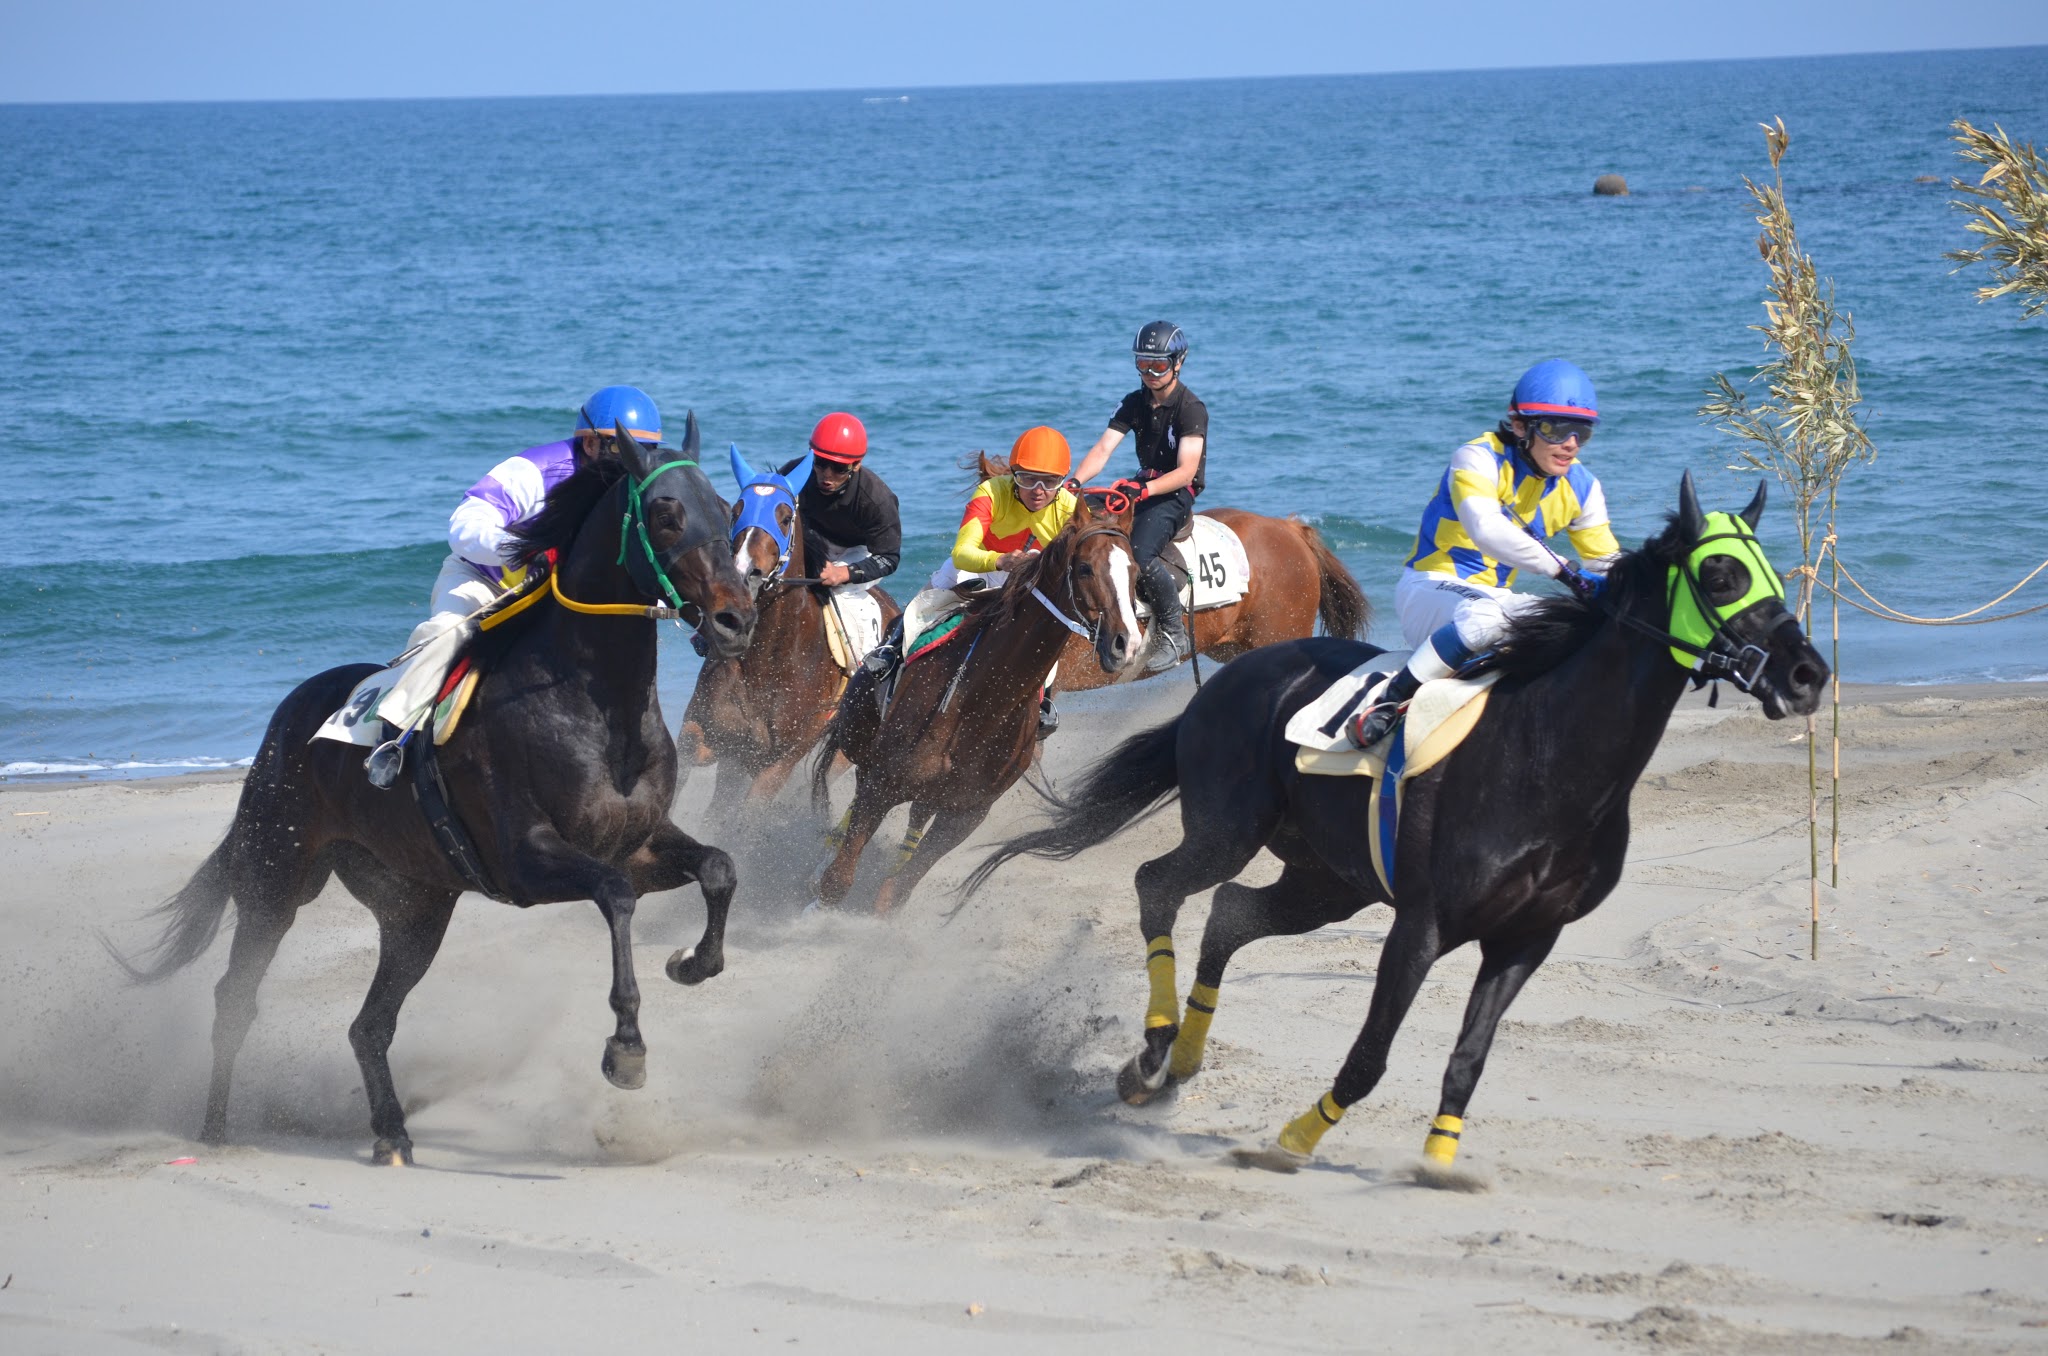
1170, 642
889, 653
1442, 655
1048, 719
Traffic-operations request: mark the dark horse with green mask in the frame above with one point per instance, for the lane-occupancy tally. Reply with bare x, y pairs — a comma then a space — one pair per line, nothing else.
1521, 830
561, 779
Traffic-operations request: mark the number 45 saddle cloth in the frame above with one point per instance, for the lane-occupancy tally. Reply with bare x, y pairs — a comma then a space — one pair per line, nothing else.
1211, 563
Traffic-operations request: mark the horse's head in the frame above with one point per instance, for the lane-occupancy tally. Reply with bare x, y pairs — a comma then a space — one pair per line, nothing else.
676, 535
1101, 579
1727, 601
763, 520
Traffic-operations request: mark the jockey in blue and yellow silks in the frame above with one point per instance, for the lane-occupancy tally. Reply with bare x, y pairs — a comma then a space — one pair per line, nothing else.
1505, 495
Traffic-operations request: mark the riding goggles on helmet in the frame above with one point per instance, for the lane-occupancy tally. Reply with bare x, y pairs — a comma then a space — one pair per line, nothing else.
1699, 626
1037, 480
1155, 366
1556, 431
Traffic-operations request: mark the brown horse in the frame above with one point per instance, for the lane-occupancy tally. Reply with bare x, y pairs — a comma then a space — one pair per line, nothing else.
962, 724
1294, 580
757, 715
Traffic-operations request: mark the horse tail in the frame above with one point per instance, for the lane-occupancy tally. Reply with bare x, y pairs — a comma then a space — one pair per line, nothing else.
195, 914
1343, 606
1140, 775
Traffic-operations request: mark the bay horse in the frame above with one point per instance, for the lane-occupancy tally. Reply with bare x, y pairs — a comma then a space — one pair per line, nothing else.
1295, 580
756, 715
1522, 829
962, 725
563, 777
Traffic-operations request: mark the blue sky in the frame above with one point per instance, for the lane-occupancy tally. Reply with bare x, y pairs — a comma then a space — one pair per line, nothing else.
97, 50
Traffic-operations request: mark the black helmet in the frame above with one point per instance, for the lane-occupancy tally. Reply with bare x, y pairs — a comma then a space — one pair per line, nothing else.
1161, 339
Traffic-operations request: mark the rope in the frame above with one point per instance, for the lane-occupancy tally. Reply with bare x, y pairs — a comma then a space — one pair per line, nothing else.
1879, 608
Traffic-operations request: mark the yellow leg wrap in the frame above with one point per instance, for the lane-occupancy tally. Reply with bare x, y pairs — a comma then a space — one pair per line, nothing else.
1304, 1131
1164, 1009
1442, 1144
1193, 1039
837, 838
906, 850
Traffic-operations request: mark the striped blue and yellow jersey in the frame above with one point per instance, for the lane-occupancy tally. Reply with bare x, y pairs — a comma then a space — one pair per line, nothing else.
1493, 510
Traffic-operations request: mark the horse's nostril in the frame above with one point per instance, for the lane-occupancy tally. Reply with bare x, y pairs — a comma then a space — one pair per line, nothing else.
1805, 676
728, 621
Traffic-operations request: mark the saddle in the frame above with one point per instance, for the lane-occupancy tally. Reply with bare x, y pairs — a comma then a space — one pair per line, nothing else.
1442, 713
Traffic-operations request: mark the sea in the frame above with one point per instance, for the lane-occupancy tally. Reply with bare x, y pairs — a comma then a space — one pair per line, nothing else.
251, 354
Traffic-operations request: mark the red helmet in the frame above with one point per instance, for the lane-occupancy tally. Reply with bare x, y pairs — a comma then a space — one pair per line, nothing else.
841, 438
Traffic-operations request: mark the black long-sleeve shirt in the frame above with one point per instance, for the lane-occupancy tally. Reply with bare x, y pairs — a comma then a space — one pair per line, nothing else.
863, 513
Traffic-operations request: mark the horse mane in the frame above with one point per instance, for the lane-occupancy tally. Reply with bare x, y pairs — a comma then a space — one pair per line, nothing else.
568, 504
1045, 568
1545, 635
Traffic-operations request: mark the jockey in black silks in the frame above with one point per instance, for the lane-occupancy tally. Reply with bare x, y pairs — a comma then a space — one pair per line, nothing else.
1172, 427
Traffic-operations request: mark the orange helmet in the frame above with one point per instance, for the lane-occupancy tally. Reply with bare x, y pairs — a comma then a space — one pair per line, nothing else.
1043, 450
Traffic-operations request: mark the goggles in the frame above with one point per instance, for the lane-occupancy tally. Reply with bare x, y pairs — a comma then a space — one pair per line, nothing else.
1155, 366
1037, 480
1557, 431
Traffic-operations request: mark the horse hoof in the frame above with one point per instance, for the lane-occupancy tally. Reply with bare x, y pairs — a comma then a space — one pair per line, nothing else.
213, 1136
391, 1153
813, 909
1272, 1159
625, 1068
1135, 1086
686, 967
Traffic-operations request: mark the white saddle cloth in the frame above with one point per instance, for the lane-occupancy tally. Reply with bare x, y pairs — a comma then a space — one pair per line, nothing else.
1219, 571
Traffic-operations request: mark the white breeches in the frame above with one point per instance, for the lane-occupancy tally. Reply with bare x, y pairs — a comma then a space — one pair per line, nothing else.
459, 591
1425, 601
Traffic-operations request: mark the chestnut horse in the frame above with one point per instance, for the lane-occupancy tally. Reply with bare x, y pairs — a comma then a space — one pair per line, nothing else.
962, 724
758, 714
1295, 579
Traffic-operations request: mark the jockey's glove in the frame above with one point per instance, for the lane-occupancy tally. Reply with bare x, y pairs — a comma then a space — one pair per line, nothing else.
1584, 586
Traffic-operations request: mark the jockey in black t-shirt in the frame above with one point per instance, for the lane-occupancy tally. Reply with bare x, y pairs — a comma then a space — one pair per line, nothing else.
1172, 425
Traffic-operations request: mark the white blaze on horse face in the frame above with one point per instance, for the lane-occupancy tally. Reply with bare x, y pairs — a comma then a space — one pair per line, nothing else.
1120, 574
742, 557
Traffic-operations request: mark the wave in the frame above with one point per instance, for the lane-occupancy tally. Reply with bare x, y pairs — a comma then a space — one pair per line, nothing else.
143, 767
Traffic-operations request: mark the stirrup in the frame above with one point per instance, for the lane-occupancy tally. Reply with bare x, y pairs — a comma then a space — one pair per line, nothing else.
1169, 648
1375, 723
384, 762
1048, 719
880, 659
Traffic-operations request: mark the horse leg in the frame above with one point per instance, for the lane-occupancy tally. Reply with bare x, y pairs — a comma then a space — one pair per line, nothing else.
544, 866
1306, 897
848, 841
1208, 853
929, 836
411, 921
271, 877
672, 859
1412, 946
1504, 968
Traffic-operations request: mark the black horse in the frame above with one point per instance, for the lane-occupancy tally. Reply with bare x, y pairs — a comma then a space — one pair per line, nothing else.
563, 776
1522, 829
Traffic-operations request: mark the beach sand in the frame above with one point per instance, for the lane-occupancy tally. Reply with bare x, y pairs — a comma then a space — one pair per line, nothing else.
902, 1136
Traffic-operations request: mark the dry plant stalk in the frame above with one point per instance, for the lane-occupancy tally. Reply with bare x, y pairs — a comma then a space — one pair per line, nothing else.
1804, 429
2010, 212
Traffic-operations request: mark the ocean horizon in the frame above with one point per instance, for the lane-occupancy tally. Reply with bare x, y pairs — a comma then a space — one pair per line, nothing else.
258, 350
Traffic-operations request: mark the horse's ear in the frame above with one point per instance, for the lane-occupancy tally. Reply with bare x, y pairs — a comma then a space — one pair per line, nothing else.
742, 473
800, 473
1756, 506
631, 454
690, 437
1690, 519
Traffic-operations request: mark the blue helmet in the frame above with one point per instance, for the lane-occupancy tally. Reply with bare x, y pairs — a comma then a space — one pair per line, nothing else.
1555, 389
628, 405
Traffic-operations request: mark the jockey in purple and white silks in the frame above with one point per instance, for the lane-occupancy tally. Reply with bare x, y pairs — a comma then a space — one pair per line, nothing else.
480, 535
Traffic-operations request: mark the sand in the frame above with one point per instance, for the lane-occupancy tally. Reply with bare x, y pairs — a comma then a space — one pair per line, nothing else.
902, 1136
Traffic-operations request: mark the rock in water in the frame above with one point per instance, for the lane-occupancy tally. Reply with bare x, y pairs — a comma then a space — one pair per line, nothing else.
1610, 186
